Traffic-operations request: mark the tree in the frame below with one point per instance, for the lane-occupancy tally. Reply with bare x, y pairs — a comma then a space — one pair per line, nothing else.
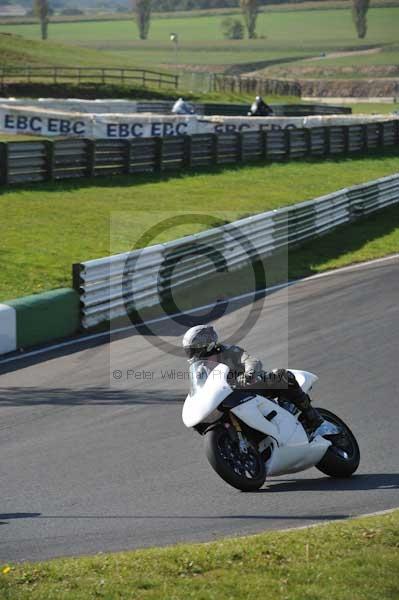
232, 29
41, 9
250, 11
143, 16
359, 15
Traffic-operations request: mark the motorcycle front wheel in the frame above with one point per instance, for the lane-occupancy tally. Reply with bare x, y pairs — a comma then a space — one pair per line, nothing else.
245, 472
343, 456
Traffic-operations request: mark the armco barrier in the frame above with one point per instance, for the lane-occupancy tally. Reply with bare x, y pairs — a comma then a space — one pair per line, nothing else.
165, 106
23, 162
139, 279
38, 319
279, 110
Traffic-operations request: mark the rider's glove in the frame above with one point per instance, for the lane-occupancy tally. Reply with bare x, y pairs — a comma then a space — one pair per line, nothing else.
246, 379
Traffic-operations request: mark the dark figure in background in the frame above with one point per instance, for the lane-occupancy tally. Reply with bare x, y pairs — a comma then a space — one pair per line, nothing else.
259, 108
247, 372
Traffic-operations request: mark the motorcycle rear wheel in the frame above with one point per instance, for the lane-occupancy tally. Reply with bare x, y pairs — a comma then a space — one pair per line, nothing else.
245, 472
343, 457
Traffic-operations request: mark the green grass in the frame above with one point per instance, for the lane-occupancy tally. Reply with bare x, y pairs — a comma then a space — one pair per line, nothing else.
366, 239
353, 560
21, 51
372, 108
285, 34
51, 226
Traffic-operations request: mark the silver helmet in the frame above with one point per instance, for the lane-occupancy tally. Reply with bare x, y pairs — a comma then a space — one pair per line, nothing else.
200, 341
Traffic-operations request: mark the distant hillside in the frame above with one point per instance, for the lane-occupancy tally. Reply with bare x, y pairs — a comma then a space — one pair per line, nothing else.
16, 50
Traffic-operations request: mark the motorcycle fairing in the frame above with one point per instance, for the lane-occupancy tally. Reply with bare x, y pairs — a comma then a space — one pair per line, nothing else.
200, 405
306, 379
292, 451
294, 458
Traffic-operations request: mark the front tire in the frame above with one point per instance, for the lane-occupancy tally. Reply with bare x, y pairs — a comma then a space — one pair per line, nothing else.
343, 457
245, 472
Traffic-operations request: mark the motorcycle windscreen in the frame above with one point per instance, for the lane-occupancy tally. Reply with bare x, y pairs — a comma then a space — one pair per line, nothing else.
305, 379
208, 388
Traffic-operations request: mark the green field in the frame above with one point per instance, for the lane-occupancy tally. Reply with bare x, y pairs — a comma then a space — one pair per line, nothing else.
352, 560
51, 226
281, 34
388, 56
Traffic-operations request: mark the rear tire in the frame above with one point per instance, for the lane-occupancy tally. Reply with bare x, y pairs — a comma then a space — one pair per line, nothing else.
244, 472
334, 463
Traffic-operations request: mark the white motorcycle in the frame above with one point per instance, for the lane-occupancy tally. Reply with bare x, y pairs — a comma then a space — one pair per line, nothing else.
249, 437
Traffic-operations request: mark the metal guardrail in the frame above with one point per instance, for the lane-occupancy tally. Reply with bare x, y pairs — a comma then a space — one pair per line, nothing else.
164, 107
78, 75
23, 162
279, 110
241, 110
109, 287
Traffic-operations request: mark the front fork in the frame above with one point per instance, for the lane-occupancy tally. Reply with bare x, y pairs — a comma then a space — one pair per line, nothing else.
242, 442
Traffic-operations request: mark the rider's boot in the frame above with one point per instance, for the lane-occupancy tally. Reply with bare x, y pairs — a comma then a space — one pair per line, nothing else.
310, 416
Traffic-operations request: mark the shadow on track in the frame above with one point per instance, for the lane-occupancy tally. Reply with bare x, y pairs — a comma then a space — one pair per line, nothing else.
372, 481
267, 517
95, 396
4, 518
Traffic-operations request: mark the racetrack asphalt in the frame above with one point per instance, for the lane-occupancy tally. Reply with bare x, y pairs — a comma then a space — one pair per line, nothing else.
92, 464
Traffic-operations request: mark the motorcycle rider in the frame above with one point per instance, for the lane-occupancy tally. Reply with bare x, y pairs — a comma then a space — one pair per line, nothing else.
247, 372
259, 108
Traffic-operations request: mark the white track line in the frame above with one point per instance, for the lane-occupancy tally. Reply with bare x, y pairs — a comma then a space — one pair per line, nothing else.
352, 518
94, 336
301, 527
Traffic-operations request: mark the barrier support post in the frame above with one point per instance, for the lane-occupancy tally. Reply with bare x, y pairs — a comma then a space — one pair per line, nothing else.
76, 279
3, 163
287, 144
239, 147
187, 151
91, 158
308, 141
215, 149
396, 125
127, 156
265, 144
365, 144
158, 155
346, 139
49, 152
327, 144
380, 127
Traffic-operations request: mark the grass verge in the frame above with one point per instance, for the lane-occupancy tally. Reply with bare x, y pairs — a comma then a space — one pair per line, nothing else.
50, 226
356, 560
374, 108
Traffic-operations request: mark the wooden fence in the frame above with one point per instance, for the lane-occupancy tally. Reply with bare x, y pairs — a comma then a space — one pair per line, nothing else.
78, 75
22, 162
